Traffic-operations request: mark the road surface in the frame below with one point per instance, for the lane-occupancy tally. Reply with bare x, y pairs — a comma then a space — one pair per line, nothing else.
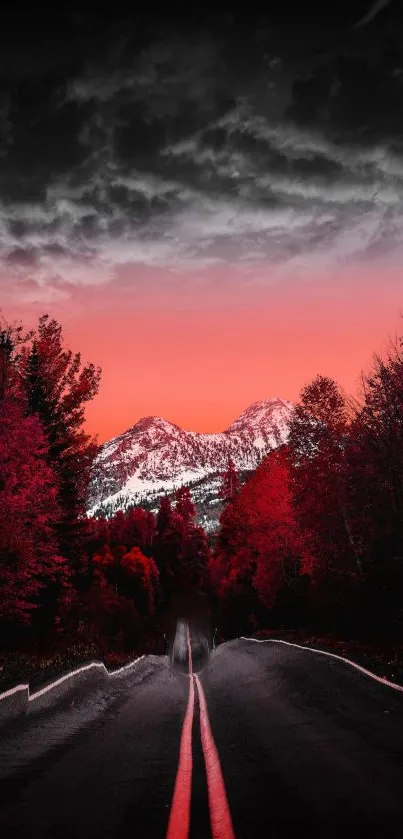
305, 746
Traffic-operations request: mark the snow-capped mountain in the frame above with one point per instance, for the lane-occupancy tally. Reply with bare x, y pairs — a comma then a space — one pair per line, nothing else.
155, 457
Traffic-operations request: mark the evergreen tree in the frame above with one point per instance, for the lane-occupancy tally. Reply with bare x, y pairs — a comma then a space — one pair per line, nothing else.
319, 442
197, 560
185, 506
30, 562
229, 483
57, 387
169, 550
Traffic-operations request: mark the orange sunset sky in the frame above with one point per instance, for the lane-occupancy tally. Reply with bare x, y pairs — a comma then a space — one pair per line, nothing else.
198, 353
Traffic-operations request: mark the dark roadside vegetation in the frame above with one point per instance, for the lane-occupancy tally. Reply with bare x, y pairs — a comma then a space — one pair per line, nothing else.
310, 547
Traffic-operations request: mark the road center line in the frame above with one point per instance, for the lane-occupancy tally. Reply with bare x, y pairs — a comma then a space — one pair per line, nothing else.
179, 818
220, 816
189, 651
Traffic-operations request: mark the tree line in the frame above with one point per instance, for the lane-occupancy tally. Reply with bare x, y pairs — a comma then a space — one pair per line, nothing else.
312, 539
65, 576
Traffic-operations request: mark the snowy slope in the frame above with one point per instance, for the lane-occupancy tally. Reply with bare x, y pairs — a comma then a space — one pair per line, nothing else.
155, 456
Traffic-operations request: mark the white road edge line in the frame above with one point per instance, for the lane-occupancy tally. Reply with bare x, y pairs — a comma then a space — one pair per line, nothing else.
331, 655
52, 685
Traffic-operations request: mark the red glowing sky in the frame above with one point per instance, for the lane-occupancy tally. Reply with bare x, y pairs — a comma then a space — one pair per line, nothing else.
199, 356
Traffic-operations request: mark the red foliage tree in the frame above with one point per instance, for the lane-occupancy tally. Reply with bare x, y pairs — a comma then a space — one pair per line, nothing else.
318, 442
30, 562
280, 547
232, 533
57, 387
260, 546
121, 599
141, 578
134, 528
133, 575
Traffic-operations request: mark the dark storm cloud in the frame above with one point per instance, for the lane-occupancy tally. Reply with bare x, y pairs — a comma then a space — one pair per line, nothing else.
189, 148
24, 258
352, 99
374, 9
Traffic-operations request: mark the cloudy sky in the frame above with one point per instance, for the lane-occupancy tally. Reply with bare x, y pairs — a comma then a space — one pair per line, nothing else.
213, 207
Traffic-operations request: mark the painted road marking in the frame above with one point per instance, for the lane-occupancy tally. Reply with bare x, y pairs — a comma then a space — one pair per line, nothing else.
179, 818
189, 650
331, 655
220, 816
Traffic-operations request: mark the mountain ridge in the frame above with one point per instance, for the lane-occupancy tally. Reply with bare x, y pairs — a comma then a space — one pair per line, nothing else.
155, 456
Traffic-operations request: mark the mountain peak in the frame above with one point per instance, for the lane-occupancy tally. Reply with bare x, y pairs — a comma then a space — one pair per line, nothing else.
265, 412
156, 456
153, 425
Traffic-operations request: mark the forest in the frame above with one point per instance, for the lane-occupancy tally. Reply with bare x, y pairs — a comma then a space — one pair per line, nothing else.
313, 540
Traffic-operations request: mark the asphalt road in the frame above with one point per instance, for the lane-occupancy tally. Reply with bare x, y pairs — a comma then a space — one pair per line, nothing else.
308, 747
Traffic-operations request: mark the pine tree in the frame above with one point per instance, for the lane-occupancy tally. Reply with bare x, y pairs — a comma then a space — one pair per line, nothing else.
229, 483
197, 559
164, 515
169, 550
6, 349
318, 441
30, 562
185, 506
57, 388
